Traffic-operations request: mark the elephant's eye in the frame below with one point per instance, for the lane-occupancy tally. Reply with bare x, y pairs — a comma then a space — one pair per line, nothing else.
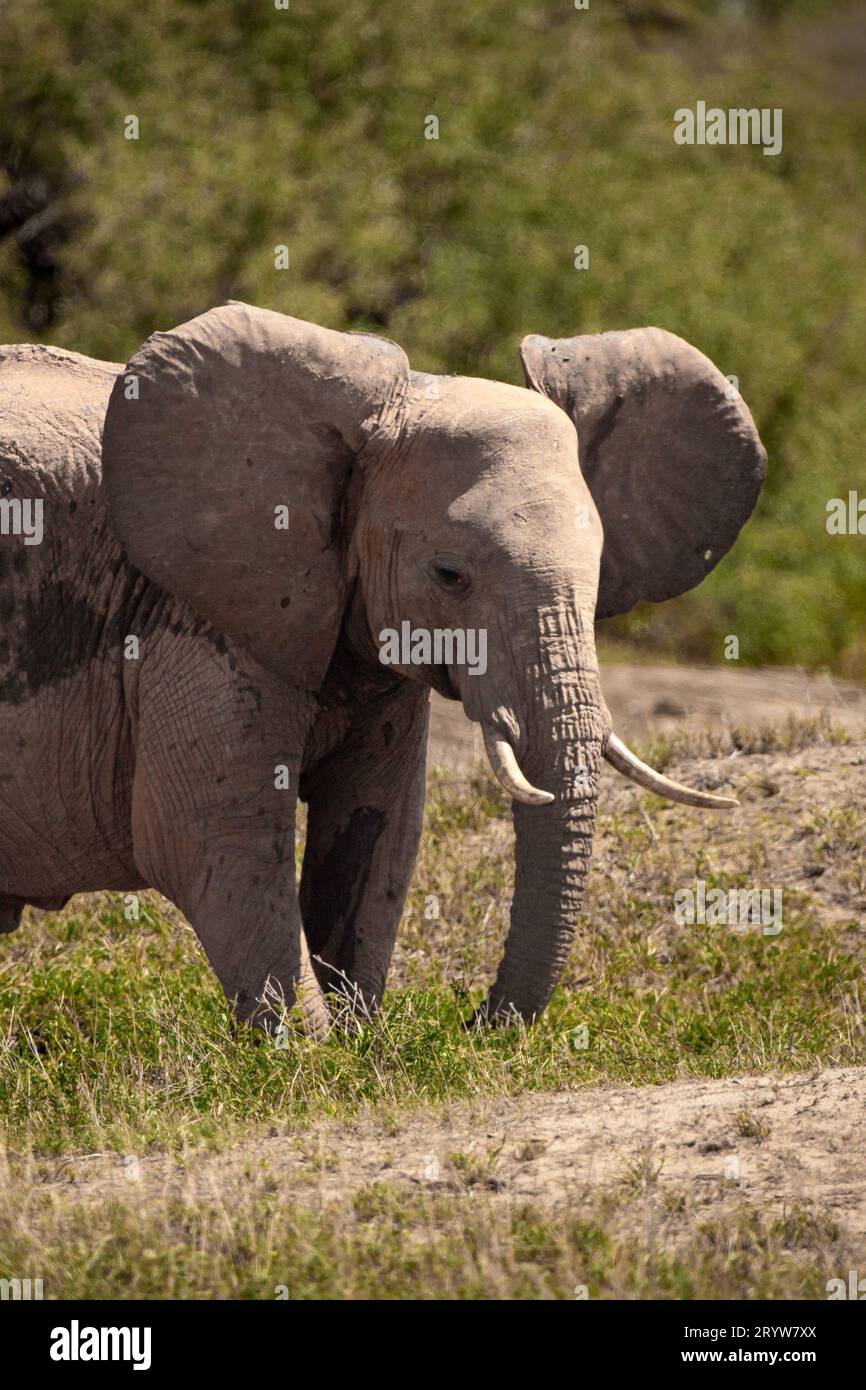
450, 572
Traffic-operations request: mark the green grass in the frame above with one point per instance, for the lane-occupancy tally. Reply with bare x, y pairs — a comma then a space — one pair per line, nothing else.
101, 1055
387, 1245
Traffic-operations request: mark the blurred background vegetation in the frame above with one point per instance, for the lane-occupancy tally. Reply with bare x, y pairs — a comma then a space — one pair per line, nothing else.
305, 127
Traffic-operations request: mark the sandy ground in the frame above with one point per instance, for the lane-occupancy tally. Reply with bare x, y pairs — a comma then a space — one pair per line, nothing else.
769, 1141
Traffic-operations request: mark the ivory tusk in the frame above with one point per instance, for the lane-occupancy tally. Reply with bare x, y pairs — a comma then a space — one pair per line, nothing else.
630, 766
506, 770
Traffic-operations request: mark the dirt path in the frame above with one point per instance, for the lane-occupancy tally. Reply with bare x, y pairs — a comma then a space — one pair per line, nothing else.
772, 1142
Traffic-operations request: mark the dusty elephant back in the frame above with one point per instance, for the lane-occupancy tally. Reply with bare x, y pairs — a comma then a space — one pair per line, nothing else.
52, 409
53, 524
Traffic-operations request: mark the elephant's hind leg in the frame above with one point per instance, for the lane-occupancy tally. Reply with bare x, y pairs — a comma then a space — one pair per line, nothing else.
12, 908
10, 914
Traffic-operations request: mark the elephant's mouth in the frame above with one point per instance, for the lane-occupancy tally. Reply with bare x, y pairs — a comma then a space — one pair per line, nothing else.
507, 771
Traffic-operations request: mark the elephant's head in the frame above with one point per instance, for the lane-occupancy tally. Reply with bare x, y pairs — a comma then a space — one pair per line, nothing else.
441, 505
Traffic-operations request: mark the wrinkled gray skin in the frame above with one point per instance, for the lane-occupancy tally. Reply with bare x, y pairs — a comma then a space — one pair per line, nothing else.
450, 502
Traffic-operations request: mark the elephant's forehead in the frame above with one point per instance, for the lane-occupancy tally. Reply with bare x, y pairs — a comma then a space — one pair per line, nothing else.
490, 418
534, 508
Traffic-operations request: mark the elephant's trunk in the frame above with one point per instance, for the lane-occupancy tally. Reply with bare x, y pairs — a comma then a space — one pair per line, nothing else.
545, 746
556, 724
553, 847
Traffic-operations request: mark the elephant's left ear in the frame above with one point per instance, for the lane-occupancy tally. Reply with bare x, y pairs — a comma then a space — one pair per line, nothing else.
229, 447
668, 448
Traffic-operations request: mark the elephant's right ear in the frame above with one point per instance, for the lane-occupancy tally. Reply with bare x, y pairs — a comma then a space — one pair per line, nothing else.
228, 445
668, 448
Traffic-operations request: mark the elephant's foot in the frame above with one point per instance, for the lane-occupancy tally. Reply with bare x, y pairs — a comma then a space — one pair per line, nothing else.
302, 1009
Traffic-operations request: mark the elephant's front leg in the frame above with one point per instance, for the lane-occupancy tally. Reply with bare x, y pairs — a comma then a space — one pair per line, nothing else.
217, 770
366, 806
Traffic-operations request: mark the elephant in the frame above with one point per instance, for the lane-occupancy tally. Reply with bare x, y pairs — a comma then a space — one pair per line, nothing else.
232, 523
